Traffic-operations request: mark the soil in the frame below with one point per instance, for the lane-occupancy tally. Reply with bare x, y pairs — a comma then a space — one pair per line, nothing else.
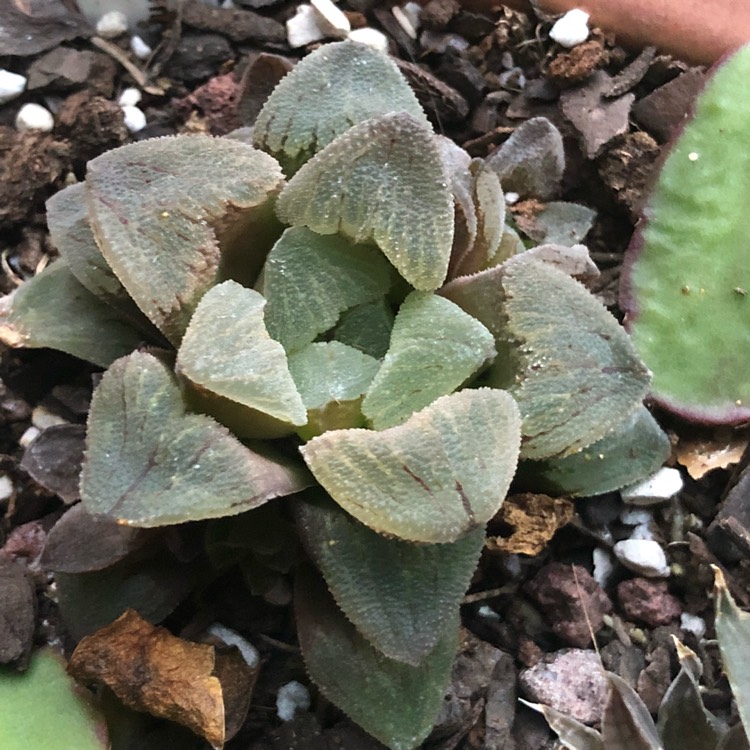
533, 602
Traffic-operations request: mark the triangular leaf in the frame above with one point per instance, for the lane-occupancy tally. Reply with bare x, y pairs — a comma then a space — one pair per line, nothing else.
53, 309
227, 350
399, 595
328, 91
148, 463
626, 722
571, 733
441, 474
160, 207
435, 347
309, 280
382, 180
394, 702
367, 328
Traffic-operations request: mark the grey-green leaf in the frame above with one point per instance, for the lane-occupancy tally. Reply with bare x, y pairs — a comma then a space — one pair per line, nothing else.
331, 89
399, 595
54, 309
383, 180
367, 328
570, 731
626, 722
309, 280
148, 463
393, 701
435, 347
436, 477
227, 350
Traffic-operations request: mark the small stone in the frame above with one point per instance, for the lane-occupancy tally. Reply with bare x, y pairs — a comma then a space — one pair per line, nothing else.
303, 28
130, 97
233, 638
135, 119
330, 19
139, 48
693, 624
43, 418
28, 437
112, 24
643, 556
404, 22
6, 487
648, 601
657, 488
291, 698
604, 566
371, 37
571, 29
636, 516
34, 117
11, 85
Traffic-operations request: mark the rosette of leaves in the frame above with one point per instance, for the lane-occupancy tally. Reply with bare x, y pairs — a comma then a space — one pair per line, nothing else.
363, 338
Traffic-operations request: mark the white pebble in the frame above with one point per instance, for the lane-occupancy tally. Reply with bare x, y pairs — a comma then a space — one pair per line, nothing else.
635, 516
291, 698
404, 22
604, 566
413, 11
28, 437
693, 624
135, 120
571, 29
112, 24
233, 638
511, 198
43, 418
129, 97
302, 28
330, 19
643, 531
34, 117
643, 556
657, 488
6, 487
139, 48
371, 37
11, 85
488, 613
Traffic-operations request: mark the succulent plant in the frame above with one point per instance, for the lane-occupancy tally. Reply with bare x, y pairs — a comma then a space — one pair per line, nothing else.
362, 334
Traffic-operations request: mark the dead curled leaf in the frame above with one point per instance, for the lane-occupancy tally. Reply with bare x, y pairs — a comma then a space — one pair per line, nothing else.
534, 520
151, 670
721, 449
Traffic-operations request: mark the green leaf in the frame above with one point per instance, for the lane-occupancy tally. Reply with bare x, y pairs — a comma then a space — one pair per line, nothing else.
148, 463
686, 277
159, 208
309, 280
441, 474
367, 328
560, 222
399, 595
332, 378
634, 449
336, 86
435, 347
579, 374
394, 702
53, 309
44, 707
227, 351
383, 180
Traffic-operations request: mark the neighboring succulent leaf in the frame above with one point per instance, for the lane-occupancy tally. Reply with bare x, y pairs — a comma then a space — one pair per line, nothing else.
157, 206
734, 739
53, 309
733, 634
559, 223
394, 702
436, 477
149, 463
332, 377
383, 180
531, 162
634, 449
490, 215
367, 328
435, 347
328, 91
580, 376
686, 277
399, 595
571, 733
44, 707
626, 722
573, 260
227, 351
309, 280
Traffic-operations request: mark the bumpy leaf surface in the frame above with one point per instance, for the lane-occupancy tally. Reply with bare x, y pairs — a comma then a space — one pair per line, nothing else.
435, 347
328, 91
439, 475
157, 207
309, 280
383, 180
367, 328
227, 350
393, 701
53, 309
149, 463
399, 595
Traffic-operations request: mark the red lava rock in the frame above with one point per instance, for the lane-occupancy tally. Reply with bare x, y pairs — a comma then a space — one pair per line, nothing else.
216, 100
648, 601
568, 595
577, 64
437, 14
25, 542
